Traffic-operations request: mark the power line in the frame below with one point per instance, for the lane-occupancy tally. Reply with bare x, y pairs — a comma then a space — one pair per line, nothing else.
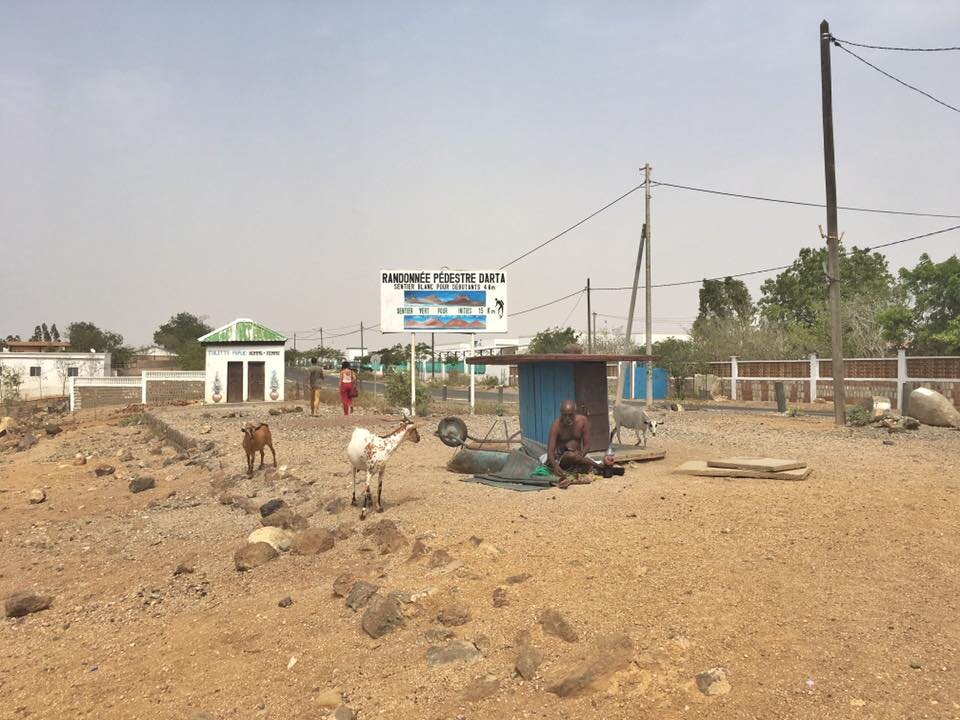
575, 306
572, 227
893, 77
802, 203
901, 49
915, 237
547, 304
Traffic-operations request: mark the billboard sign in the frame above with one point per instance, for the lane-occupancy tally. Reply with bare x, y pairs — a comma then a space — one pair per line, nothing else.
451, 301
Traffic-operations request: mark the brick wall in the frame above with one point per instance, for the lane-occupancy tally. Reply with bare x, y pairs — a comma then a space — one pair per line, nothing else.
90, 397
166, 392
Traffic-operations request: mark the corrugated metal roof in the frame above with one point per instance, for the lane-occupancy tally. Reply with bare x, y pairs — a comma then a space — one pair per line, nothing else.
243, 330
559, 357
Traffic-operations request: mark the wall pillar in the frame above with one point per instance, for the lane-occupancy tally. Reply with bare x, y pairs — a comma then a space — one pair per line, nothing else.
814, 376
733, 377
901, 376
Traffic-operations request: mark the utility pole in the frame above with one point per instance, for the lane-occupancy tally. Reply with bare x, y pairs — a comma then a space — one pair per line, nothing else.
594, 326
649, 290
833, 241
361, 343
589, 332
321, 341
294, 342
633, 304
433, 358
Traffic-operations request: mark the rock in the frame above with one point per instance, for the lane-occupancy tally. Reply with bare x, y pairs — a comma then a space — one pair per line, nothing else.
285, 602
25, 602
909, 423
342, 585
713, 681
104, 469
343, 531
500, 598
553, 623
184, 568
37, 496
480, 688
381, 616
156, 449
329, 698
335, 505
277, 538
271, 506
610, 655
253, 555
931, 408
515, 579
124, 455
235, 499
141, 483
52, 429
914, 665
79, 459
344, 713
454, 615
26, 442
452, 651
438, 635
360, 593
440, 558
418, 550
889, 442
312, 541
205, 429
287, 519
386, 535
7, 425
274, 412
527, 662
896, 429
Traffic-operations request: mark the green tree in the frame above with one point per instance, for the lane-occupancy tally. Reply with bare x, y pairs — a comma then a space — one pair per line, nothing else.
46, 333
84, 336
180, 335
680, 358
54, 333
37, 334
552, 341
725, 298
799, 293
930, 319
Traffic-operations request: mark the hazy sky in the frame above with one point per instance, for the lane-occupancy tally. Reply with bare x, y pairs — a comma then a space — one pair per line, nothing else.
268, 159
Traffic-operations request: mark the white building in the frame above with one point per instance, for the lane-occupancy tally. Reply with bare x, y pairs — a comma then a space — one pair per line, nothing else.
47, 374
244, 363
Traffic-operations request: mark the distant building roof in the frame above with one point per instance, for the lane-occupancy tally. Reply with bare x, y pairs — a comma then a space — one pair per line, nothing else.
36, 345
243, 330
155, 351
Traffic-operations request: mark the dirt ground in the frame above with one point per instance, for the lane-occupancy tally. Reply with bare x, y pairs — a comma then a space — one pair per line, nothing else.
836, 597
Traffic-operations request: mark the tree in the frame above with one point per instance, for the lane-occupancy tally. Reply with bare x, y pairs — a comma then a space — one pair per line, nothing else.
929, 321
552, 341
46, 333
180, 335
680, 358
84, 336
800, 292
611, 343
725, 298
54, 333
37, 334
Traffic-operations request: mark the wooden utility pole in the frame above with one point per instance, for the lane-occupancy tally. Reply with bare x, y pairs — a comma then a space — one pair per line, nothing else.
589, 331
648, 289
361, 343
628, 341
833, 241
321, 340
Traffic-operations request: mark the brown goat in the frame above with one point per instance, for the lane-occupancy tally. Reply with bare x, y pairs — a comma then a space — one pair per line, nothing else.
255, 438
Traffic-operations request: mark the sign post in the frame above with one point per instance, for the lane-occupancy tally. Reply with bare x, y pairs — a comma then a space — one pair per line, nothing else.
473, 377
413, 374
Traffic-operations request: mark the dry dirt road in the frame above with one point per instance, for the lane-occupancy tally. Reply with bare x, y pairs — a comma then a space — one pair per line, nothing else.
836, 597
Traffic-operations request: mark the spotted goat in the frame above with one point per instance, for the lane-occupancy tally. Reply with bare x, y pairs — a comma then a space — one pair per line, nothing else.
369, 452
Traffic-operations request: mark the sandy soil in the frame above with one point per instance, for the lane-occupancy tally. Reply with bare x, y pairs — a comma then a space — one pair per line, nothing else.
836, 597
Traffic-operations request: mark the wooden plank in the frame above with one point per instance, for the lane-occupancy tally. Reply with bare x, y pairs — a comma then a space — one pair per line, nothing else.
763, 464
699, 467
629, 453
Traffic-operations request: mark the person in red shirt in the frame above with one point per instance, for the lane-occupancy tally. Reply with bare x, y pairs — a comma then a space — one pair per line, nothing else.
349, 387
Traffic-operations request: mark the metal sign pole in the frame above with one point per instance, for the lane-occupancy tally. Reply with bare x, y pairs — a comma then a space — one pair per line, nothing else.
473, 392
413, 374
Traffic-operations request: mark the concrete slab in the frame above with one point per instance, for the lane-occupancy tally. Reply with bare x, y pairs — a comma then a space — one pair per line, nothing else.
699, 467
763, 464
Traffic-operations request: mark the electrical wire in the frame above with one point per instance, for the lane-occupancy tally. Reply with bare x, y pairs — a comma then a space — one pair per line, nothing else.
893, 77
572, 310
901, 49
915, 237
572, 227
547, 304
725, 193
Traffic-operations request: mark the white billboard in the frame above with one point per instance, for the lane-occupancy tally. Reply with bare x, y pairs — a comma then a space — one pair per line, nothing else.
460, 301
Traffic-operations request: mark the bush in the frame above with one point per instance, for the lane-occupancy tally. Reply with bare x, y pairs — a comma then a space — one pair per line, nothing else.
858, 416
397, 392
489, 381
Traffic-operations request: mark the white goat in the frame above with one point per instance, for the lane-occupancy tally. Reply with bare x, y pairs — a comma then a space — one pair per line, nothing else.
370, 452
630, 416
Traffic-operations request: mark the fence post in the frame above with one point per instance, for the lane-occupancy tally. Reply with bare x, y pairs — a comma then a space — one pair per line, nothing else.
143, 387
733, 377
814, 376
73, 401
633, 379
901, 377
781, 393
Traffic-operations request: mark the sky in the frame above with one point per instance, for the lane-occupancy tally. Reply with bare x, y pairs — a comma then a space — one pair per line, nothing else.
267, 160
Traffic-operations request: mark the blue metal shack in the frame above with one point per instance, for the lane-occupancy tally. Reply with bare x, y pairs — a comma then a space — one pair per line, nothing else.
545, 381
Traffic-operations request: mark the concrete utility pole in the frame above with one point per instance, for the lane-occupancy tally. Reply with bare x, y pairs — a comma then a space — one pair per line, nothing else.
589, 331
633, 304
361, 343
649, 290
833, 241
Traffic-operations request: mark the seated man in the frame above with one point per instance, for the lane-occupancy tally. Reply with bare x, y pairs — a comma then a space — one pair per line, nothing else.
568, 444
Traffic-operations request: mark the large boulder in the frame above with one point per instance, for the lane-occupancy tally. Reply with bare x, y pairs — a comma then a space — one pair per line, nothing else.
312, 541
931, 408
253, 555
277, 538
25, 602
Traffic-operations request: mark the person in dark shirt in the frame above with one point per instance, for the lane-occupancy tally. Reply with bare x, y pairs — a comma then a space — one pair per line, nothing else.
316, 381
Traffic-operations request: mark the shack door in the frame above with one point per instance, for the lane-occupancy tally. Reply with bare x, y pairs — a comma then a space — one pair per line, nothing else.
234, 382
590, 381
255, 381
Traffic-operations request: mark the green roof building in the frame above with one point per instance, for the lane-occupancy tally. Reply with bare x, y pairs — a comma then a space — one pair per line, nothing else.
244, 363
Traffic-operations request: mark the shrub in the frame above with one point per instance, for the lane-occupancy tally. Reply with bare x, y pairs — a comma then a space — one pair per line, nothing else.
397, 392
858, 416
